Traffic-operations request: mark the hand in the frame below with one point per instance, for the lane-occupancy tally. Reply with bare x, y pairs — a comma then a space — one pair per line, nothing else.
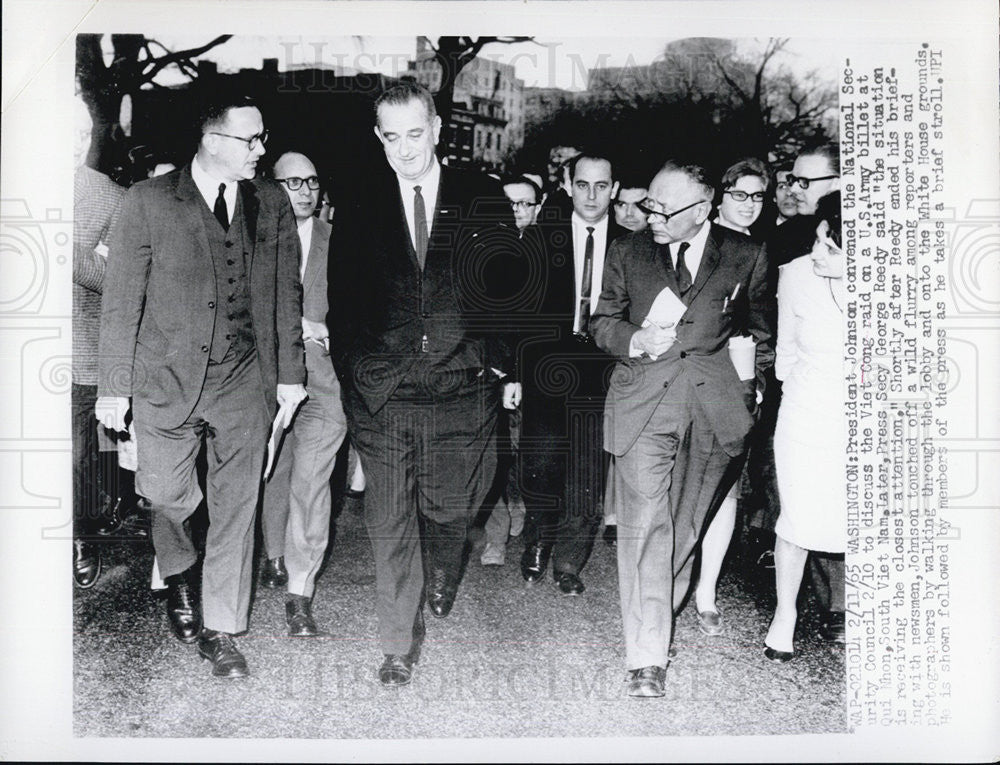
654, 340
314, 330
110, 412
289, 398
511, 395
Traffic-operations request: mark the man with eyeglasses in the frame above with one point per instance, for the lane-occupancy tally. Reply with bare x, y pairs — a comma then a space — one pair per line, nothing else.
295, 511
784, 200
677, 414
815, 174
563, 464
201, 329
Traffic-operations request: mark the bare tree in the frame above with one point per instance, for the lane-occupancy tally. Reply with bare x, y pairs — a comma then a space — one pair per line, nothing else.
135, 63
453, 54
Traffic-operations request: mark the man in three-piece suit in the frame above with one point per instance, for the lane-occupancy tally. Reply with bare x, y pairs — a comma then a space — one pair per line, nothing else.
677, 413
201, 328
563, 376
418, 338
295, 514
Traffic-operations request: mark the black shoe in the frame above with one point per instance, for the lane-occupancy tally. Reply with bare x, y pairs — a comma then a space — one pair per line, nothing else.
832, 628
569, 584
534, 561
647, 682
298, 617
611, 536
183, 606
273, 573
441, 590
112, 517
220, 649
778, 657
86, 564
396, 670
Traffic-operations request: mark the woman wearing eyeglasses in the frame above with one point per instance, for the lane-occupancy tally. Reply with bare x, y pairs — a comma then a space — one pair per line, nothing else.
744, 188
809, 444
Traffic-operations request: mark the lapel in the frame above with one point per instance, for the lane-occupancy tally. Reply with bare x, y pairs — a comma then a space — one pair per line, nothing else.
709, 262
397, 232
312, 257
443, 216
251, 208
191, 203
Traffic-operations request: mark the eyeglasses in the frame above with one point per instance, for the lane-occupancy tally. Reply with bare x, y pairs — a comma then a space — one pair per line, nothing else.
252, 142
294, 184
646, 207
803, 183
742, 196
522, 205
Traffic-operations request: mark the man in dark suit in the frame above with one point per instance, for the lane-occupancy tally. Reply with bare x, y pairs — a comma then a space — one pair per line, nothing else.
201, 327
563, 375
677, 413
295, 513
418, 341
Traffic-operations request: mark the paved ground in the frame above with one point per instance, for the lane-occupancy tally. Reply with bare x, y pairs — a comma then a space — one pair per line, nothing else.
512, 660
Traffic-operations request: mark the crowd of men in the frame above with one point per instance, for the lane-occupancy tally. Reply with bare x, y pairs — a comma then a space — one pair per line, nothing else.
446, 320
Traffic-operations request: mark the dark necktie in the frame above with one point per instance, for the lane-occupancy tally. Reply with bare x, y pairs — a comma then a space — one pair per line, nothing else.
683, 275
588, 277
220, 210
420, 224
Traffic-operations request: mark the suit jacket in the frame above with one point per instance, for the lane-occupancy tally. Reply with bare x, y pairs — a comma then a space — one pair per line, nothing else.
382, 305
635, 271
97, 204
547, 341
160, 296
320, 377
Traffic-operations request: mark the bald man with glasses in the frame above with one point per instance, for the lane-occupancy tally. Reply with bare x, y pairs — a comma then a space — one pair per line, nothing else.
677, 413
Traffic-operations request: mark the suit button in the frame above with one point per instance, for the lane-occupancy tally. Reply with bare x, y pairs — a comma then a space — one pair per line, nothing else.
425, 315
204, 349
684, 354
211, 304
229, 244
229, 262
231, 280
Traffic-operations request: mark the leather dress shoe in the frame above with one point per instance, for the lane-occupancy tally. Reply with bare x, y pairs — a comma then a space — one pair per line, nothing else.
112, 517
569, 584
183, 606
534, 561
298, 617
441, 591
647, 682
220, 649
396, 670
832, 628
273, 573
778, 657
710, 622
86, 564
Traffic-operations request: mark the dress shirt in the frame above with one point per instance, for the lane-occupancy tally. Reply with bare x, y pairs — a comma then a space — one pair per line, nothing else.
696, 248
428, 190
208, 187
579, 247
305, 238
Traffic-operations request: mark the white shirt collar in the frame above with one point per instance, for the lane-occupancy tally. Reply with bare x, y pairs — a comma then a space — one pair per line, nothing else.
599, 228
305, 229
208, 187
696, 248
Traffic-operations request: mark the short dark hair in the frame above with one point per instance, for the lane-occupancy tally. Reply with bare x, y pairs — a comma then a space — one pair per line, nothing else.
695, 173
828, 209
215, 105
509, 180
750, 166
829, 151
404, 92
593, 156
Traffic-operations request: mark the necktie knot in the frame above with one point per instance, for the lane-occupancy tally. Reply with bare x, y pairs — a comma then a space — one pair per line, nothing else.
590, 230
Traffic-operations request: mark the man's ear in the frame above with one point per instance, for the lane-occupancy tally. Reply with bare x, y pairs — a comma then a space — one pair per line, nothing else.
378, 134
614, 191
436, 127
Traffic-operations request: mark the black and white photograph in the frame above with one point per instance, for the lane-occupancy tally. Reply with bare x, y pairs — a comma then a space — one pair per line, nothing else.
452, 393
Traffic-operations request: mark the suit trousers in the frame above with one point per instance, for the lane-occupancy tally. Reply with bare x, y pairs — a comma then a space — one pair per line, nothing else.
95, 473
667, 484
230, 419
429, 457
295, 514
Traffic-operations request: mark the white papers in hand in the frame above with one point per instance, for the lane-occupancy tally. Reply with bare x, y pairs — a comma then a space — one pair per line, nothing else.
666, 311
281, 421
